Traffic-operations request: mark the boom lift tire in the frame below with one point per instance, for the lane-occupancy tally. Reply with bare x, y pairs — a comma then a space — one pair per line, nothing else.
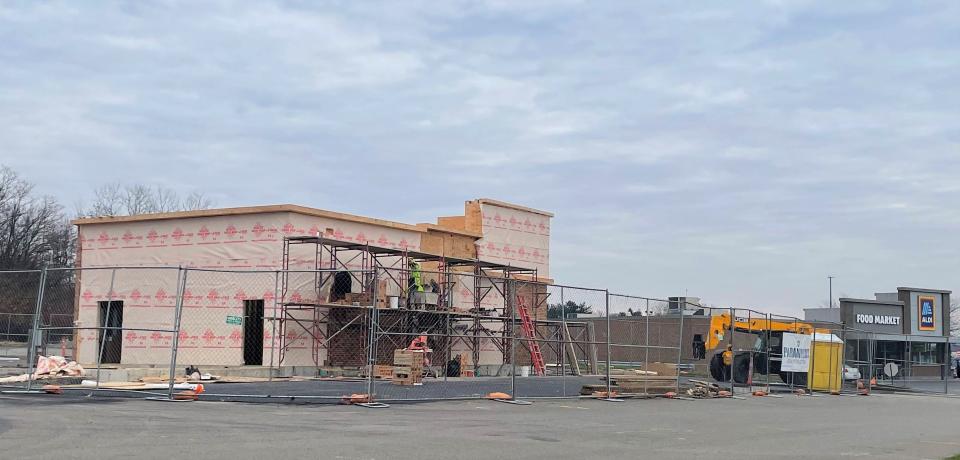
741, 367
716, 368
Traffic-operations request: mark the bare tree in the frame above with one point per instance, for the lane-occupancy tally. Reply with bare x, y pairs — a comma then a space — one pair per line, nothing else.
196, 200
116, 199
955, 317
34, 231
108, 200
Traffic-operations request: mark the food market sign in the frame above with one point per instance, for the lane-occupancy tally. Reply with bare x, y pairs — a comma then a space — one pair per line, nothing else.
886, 320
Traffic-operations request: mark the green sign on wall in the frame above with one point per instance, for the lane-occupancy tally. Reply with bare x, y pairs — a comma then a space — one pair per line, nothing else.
237, 320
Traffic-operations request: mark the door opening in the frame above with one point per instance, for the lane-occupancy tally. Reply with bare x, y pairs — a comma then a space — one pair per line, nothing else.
110, 341
253, 332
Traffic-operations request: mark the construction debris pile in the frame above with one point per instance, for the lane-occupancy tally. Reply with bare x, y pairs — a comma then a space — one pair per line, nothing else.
706, 390
49, 367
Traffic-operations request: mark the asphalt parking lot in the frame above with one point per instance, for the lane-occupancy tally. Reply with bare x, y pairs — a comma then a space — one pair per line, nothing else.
879, 426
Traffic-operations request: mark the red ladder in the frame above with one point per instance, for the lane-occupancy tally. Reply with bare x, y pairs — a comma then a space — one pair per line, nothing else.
535, 355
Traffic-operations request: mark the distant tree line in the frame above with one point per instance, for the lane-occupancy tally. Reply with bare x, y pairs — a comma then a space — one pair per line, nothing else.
35, 229
569, 309
35, 232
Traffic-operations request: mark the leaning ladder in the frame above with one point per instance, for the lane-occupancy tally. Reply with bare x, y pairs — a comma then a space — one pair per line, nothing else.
535, 355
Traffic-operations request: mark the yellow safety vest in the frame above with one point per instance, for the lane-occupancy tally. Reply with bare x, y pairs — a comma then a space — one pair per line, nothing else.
727, 358
417, 277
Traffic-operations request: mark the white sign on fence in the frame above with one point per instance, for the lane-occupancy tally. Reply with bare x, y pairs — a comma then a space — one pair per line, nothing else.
796, 353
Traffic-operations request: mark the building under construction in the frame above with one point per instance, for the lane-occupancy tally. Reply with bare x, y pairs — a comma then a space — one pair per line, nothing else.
290, 286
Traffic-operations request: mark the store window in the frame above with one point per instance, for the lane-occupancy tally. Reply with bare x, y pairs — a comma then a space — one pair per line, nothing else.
926, 353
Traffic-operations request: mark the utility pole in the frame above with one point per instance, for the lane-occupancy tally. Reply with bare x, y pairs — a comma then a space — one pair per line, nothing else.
831, 290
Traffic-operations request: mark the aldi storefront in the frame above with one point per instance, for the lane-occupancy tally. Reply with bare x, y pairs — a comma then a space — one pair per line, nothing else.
900, 335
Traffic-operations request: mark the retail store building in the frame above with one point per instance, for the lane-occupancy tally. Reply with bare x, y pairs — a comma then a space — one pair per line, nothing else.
904, 333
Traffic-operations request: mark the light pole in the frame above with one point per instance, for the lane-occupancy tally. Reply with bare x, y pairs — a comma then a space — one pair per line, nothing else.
831, 290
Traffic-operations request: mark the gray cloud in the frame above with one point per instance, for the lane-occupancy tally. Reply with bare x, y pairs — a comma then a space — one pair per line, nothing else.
741, 151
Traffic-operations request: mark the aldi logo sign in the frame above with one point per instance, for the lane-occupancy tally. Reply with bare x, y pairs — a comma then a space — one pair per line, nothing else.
927, 318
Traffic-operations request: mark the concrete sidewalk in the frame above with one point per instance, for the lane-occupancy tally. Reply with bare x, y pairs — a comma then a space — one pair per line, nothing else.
881, 426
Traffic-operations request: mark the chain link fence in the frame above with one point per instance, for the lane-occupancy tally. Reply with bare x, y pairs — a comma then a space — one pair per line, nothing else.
405, 333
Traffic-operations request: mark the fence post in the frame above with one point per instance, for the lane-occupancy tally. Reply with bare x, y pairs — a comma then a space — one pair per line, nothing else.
447, 336
273, 321
508, 289
563, 347
907, 371
35, 328
372, 349
646, 344
177, 313
870, 353
812, 369
843, 354
102, 328
946, 367
733, 328
792, 379
606, 301
683, 309
766, 348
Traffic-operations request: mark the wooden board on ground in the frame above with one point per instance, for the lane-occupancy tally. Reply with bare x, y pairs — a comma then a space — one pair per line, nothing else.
571, 350
662, 368
642, 378
656, 384
592, 348
241, 379
588, 390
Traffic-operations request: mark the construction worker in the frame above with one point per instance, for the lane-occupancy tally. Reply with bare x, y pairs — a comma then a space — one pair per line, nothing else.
727, 362
420, 344
414, 284
416, 277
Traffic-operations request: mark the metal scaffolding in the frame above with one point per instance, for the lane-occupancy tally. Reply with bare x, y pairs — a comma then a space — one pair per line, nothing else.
487, 319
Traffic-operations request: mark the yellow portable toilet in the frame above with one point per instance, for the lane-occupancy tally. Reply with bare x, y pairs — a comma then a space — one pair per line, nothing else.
826, 362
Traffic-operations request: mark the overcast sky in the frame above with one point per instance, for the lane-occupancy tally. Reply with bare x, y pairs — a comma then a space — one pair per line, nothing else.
737, 151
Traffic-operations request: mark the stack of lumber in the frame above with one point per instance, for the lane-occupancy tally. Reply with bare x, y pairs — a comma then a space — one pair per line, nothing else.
362, 298
466, 368
382, 300
637, 381
650, 384
661, 368
407, 367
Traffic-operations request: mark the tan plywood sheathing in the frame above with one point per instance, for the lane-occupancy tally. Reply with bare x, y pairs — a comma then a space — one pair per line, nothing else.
449, 245
472, 217
453, 222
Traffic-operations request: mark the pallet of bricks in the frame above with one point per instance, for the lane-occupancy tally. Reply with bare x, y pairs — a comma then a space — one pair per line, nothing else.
407, 367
